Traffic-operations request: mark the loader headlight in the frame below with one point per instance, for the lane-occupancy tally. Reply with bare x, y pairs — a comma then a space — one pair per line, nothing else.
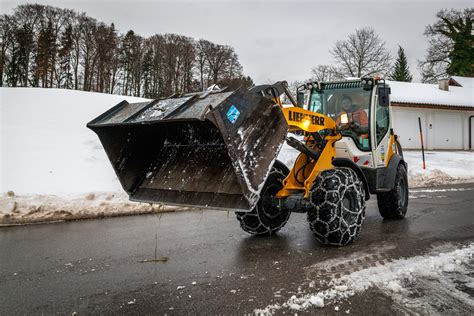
306, 123
367, 84
344, 118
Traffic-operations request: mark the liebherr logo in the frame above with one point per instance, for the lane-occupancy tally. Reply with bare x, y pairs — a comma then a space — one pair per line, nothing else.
298, 117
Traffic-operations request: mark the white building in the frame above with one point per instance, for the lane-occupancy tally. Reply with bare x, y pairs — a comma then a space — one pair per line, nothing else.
445, 111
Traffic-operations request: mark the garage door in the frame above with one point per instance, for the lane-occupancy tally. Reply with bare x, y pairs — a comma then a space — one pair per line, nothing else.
447, 130
405, 124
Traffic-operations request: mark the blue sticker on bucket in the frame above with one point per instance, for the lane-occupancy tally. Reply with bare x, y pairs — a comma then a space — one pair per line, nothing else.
233, 114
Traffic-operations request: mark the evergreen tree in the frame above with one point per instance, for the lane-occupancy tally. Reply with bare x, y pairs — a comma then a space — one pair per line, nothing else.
451, 50
400, 71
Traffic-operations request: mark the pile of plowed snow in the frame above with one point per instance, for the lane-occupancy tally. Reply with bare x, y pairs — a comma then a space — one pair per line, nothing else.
37, 208
442, 167
51, 165
45, 145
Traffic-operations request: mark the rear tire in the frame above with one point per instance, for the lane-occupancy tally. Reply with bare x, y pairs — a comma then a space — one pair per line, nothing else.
394, 204
264, 219
338, 197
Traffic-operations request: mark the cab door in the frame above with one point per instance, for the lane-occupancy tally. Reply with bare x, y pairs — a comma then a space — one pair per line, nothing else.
381, 129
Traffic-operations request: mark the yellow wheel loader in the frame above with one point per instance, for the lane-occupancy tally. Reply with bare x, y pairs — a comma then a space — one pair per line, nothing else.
218, 150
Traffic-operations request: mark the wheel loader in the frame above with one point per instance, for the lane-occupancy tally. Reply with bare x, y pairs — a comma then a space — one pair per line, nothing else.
218, 150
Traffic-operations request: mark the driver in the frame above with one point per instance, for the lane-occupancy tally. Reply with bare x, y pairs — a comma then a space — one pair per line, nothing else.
359, 116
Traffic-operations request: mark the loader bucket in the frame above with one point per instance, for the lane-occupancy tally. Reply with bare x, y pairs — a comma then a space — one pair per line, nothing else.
206, 150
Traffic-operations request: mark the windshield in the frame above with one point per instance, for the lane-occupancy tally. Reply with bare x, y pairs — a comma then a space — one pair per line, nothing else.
353, 101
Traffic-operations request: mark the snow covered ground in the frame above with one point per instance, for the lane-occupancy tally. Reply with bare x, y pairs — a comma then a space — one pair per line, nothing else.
414, 283
52, 167
442, 167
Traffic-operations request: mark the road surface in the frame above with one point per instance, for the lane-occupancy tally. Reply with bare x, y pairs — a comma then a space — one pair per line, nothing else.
105, 266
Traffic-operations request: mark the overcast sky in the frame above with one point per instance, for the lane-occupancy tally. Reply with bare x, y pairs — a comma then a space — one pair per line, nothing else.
275, 40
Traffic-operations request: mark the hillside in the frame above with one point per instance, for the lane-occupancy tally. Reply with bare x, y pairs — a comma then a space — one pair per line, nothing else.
46, 147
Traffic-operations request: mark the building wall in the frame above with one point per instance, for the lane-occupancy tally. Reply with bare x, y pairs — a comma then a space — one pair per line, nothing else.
442, 129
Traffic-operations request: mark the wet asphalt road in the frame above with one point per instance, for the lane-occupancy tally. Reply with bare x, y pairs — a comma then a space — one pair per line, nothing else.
96, 266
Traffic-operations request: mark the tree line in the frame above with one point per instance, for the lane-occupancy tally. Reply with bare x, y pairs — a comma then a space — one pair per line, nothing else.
363, 53
49, 47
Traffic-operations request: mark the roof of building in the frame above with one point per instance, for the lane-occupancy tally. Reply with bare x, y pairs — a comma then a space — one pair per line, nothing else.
466, 82
430, 94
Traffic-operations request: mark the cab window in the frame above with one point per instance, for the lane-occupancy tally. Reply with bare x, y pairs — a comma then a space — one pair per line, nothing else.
382, 121
355, 102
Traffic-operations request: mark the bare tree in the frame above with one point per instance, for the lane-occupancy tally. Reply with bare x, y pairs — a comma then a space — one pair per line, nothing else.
325, 73
362, 53
216, 56
52, 47
7, 27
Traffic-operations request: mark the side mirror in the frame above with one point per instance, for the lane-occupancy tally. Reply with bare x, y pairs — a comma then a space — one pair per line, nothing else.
384, 96
300, 99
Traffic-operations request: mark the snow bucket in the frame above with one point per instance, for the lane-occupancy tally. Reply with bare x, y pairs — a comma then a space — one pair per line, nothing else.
207, 150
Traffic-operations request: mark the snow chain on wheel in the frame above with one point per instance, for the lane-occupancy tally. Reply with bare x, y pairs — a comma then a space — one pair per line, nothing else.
394, 204
264, 219
338, 197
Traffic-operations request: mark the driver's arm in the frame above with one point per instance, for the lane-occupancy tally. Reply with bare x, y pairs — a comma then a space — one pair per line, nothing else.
362, 118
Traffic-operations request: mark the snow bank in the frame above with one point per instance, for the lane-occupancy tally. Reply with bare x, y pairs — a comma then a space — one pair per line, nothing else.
45, 145
442, 167
49, 208
51, 166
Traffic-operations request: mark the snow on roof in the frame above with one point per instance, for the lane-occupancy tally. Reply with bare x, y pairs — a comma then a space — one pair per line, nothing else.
421, 93
465, 82
214, 87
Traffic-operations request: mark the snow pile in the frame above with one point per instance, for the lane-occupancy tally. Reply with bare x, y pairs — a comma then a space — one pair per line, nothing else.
393, 278
48, 208
45, 145
442, 167
50, 161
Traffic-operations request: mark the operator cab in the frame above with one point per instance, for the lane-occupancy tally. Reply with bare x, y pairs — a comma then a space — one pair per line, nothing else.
365, 128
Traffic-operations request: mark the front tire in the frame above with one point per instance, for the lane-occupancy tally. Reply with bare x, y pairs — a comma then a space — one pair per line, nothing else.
338, 197
394, 204
265, 219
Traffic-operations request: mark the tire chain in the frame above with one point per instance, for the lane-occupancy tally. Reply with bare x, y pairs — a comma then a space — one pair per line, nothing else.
334, 229
261, 229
